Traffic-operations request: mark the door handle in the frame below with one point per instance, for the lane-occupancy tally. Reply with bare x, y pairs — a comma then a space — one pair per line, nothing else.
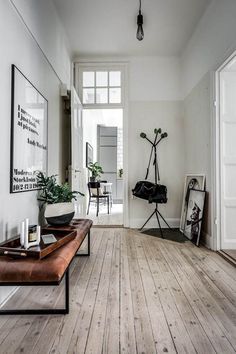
77, 171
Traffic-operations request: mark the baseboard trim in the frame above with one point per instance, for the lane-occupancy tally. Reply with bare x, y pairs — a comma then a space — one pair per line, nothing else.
137, 223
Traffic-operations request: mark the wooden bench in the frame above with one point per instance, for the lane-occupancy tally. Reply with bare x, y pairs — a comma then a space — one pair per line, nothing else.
47, 271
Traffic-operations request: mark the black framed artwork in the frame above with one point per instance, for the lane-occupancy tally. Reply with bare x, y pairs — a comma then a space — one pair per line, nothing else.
193, 222
29, 133
192, 181
89, 154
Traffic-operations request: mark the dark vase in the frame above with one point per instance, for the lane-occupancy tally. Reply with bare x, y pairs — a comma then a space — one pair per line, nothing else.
92, 179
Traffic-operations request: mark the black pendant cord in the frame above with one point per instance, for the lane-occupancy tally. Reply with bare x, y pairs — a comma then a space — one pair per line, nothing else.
140, 6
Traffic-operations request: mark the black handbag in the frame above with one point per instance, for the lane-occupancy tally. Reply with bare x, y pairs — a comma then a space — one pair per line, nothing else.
154, 193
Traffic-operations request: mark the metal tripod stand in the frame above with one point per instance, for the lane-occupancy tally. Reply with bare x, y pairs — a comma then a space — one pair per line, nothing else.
157, 175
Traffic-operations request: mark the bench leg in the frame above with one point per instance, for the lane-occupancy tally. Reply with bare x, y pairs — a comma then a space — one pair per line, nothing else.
88, 252
51, 311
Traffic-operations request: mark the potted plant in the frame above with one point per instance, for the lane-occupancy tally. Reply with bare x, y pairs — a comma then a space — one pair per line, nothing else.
57, 199
96, 171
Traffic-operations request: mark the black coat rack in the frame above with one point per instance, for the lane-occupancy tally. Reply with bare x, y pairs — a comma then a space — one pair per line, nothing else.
157, 139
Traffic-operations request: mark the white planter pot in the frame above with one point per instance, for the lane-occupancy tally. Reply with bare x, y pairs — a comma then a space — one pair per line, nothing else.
59, 213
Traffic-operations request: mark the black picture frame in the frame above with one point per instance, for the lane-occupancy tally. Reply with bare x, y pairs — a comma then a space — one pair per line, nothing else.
198, 182
29, 133
194, 216
89, 154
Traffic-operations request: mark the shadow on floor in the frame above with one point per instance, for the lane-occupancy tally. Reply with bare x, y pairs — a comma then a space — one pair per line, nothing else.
171, 235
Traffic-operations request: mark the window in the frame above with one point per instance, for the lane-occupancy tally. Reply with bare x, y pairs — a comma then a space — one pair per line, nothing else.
101, 87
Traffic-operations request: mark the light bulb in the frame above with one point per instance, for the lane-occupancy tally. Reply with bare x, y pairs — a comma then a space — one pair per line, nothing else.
140, 33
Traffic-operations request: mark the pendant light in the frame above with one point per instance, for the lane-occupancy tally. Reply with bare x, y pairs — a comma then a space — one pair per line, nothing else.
140, 33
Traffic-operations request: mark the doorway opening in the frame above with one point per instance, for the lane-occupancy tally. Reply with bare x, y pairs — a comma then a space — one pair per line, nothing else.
103, 134
226, 157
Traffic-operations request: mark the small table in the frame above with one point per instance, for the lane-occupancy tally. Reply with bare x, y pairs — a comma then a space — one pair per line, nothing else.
106, 186
107, 189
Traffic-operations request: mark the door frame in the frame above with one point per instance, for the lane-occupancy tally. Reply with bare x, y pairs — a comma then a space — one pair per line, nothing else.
216, 161
72, 169
124, 66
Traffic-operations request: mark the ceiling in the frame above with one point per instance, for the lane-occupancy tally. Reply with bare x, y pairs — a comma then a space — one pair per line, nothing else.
108, 27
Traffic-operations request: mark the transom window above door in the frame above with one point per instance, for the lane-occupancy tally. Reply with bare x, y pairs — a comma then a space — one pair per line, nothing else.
101, 87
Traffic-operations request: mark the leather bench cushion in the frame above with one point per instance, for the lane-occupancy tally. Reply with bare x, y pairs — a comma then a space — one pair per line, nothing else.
50, 269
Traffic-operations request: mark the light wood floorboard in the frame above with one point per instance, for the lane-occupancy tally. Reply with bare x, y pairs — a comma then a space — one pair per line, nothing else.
134, 294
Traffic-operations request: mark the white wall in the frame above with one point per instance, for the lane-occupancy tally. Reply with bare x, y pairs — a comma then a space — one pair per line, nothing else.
44, 24
197, 128
145, 116
213, 40
155, 102
19, 48
154, 79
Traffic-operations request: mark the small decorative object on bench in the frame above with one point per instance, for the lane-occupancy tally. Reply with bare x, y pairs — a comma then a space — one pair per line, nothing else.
49, 238
29, 234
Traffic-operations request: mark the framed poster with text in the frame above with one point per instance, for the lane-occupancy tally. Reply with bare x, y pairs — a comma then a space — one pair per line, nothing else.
29, 131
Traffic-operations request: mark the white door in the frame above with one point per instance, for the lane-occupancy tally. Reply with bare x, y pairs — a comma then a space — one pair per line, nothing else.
227, 138
76, 168
107, 155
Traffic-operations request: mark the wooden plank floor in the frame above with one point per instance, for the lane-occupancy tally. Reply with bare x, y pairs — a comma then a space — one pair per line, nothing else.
134, 294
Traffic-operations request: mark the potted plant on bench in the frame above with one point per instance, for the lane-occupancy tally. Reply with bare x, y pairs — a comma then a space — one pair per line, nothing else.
58, 200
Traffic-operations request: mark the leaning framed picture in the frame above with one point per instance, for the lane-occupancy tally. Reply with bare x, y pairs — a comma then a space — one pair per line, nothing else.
192, 181
89, 154
193, 222
29, 133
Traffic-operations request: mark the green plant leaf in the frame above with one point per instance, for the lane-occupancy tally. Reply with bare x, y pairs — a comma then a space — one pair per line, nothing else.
51, 192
